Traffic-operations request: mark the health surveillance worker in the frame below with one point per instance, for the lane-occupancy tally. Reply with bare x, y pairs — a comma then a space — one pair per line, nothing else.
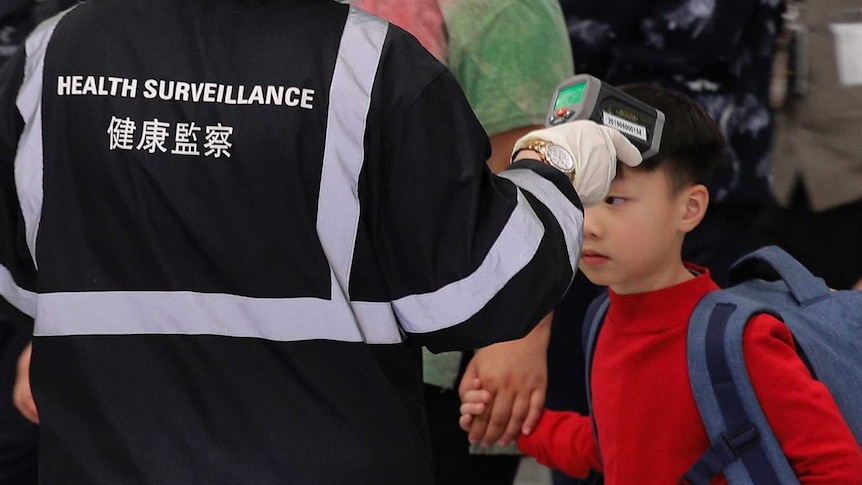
230, 292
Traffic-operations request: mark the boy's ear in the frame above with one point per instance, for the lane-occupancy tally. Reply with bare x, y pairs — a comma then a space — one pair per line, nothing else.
696, 200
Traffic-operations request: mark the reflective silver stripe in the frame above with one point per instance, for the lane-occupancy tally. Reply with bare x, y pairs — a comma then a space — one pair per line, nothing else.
344, 154
460, 300
570, 218
349, 99
189, 313
28, 159
20, 298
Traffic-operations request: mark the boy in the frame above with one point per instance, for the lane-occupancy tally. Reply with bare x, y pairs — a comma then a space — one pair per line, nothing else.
647, 423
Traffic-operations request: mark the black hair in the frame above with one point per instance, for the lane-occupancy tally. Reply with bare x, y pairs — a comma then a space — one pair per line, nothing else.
692, 145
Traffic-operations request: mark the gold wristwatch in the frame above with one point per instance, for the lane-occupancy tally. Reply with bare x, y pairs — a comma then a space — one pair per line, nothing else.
554, 155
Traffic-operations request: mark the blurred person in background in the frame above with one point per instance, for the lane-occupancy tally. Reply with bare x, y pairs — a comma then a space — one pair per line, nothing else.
817, 160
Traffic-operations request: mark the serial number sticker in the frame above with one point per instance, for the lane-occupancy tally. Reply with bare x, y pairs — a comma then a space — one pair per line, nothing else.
624, 126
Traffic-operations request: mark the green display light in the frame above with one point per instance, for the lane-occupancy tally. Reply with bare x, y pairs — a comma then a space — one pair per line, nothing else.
571, 95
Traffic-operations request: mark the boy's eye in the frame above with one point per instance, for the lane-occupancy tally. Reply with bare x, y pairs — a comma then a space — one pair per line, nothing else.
614, 200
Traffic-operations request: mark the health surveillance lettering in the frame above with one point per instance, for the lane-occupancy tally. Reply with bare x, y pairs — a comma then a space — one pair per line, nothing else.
170, 90
155, 134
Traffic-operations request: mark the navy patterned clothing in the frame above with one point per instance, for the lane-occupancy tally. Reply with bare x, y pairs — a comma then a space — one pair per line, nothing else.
719, 53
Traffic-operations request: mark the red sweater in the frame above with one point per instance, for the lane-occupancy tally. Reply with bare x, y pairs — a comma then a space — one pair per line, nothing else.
648, 424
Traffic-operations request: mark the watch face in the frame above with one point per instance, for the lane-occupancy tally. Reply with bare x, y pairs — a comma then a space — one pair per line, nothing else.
560, 158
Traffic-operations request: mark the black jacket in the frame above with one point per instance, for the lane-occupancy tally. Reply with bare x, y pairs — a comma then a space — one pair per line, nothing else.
247, 217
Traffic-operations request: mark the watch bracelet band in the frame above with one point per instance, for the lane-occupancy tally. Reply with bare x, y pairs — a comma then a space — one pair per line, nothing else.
535, 144
539, 146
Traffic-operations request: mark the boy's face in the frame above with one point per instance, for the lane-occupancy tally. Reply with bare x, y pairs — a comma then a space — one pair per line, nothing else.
633, 240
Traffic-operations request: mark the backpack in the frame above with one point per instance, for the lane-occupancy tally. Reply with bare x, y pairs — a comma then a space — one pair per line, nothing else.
827, 329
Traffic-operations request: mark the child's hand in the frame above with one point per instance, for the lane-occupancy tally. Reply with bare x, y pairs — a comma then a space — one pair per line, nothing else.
474, 402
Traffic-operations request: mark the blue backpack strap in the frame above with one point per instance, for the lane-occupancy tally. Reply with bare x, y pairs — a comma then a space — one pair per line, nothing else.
742, 443
593, 321
773, 263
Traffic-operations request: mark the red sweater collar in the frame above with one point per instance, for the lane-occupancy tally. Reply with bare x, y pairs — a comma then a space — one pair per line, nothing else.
648, 312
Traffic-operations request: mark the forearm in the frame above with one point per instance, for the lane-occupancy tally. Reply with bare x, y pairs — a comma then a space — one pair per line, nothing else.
468, 258
501, 148
524, 272
526, 155
563, 441
540, 336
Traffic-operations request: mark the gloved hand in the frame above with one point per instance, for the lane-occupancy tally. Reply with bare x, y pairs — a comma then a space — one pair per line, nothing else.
595, 149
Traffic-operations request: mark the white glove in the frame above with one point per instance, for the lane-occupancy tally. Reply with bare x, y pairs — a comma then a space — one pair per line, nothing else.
595, 149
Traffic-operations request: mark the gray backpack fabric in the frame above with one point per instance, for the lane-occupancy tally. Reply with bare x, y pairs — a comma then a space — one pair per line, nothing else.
827, 329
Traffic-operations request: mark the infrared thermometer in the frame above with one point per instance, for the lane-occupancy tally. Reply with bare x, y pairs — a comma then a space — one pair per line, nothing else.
584, 97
